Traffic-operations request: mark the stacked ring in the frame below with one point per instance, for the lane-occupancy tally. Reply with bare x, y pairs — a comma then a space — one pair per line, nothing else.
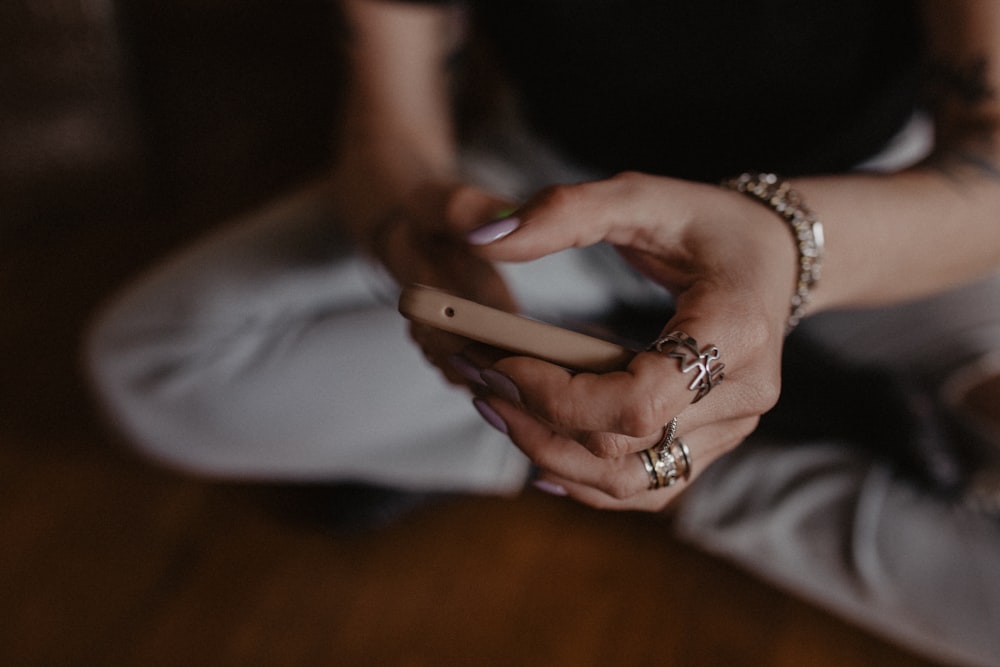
684, 348
668, 461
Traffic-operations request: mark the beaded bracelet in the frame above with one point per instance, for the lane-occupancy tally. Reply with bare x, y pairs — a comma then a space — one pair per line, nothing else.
779, 196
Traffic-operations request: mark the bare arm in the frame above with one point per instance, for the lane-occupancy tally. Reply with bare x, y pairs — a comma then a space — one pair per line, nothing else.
396, 133
396, 179
938, 224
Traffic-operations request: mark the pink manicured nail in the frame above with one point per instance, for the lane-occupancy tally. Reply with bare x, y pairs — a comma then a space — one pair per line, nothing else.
549, 487
492, 231
491, 416
467, 369
501, 385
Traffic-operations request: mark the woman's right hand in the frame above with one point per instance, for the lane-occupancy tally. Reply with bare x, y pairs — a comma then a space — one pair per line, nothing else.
731, 266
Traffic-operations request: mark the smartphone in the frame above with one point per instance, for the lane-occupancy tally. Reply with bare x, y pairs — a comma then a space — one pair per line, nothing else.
515, 333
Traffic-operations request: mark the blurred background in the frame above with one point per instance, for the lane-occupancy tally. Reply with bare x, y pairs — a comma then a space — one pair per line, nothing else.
126, 129
150, 106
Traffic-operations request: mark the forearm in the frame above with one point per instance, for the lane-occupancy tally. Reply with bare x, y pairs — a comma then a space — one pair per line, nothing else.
396, 132
892, 238
936, 225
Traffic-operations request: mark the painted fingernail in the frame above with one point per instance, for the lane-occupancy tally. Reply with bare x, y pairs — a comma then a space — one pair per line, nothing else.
466, 369
501, 385
491, 416
549, 487
492, 231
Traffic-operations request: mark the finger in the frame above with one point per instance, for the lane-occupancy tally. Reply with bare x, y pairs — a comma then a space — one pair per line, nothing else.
703, 447
629, 209
634, 403
459, 359
621, 477
561, 455
629, 406
652, 501
657, 385
449, 265
440, 349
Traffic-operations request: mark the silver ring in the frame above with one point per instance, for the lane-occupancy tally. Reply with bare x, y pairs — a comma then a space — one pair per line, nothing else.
668, 461
669, 433
682, 457
647, 456
684, 348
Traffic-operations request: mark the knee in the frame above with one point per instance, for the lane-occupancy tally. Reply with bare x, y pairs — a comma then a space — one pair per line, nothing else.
143, 378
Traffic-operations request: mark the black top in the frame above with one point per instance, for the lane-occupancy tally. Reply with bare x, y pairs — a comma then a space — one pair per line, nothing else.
705, 89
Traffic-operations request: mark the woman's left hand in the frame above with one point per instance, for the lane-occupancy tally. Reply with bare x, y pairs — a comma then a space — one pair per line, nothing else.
731, 266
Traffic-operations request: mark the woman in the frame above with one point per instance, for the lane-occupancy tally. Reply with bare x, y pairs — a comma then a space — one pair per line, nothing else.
266, 353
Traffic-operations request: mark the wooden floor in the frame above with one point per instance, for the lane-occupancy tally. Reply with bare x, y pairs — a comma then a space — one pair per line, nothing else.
107, 560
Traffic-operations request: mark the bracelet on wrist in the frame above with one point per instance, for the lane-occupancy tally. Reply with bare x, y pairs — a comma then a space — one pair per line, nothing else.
778, 195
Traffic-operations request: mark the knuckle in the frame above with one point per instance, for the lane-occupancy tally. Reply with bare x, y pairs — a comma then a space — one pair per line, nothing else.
628, 178
764, 393
762, 386
559, 195
606, 445
618, 486
640, 418
543, 458
755, 332
552, 409
769, 395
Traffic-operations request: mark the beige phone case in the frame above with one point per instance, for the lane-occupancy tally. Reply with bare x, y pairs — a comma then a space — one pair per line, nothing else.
508, 331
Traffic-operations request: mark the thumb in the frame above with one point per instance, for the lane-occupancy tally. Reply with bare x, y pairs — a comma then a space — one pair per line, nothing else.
470, 206
563, 217
541, 235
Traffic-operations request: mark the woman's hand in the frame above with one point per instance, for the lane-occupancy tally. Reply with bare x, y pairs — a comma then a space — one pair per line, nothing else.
395, 181
731, 265
423, 242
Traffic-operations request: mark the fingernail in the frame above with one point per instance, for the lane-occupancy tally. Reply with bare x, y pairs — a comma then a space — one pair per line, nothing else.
466, 369
501, 385
491, 416
549, 487
492, 231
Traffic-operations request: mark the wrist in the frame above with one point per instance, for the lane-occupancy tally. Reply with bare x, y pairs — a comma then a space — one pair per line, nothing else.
806, 229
